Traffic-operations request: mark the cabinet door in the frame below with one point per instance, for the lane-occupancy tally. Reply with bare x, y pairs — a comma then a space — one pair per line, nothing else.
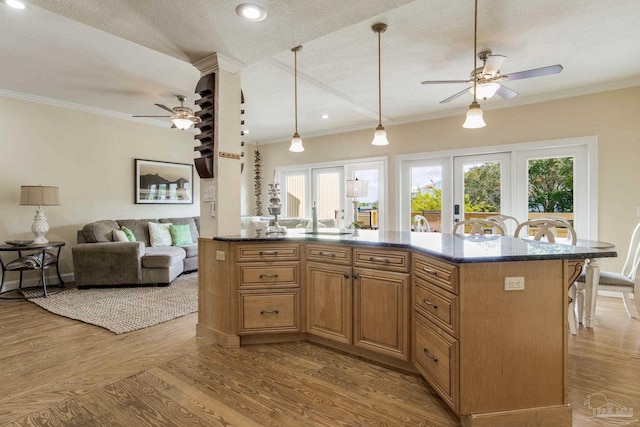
329, 299
381, 312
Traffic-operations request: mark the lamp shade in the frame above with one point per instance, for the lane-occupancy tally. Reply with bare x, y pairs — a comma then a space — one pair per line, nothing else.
474, 118
357, 188
39, 195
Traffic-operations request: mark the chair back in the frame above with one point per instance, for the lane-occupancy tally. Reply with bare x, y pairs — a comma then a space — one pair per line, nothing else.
633, 256
479, 226
420, 223
504, 221
546, 229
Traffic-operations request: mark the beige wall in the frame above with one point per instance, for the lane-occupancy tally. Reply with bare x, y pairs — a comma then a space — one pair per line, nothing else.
90, 157
611, 116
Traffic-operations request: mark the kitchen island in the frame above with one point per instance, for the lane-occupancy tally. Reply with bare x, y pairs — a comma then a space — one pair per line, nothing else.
482, 318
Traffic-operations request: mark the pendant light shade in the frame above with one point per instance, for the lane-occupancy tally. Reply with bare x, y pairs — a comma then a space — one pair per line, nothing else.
474, 118
380, 136
296, 142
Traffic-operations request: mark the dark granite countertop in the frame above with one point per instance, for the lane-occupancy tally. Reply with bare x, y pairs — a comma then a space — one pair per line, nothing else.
452, 247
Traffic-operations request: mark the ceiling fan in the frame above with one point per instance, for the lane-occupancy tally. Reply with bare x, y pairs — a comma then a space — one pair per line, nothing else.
182, 117
488, 78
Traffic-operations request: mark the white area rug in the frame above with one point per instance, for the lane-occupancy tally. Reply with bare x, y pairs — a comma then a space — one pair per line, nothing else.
123, 310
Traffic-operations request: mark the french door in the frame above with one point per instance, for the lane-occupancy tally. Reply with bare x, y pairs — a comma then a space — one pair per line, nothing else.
482, 186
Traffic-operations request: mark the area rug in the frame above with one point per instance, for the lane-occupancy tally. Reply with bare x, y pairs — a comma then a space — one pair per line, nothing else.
122, 310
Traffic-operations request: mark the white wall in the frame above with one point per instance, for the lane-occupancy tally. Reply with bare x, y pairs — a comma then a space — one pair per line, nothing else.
90, 157
611, 116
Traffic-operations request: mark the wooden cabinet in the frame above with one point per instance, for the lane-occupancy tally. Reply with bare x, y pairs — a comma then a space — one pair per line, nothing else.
436, 325
268, 288
381, 301
329, 301
366, 307
381, 311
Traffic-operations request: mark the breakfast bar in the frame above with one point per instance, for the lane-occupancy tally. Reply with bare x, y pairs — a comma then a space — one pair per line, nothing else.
483, 319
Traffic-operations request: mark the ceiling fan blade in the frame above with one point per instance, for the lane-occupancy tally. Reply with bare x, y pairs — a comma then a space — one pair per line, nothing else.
537, 72
452, 97
493, 64
164, 107
437, 82
150, 116
506, 93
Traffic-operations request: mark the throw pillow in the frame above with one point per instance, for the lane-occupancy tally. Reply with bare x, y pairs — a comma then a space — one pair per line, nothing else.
180, 234
120, 236
159, 234
130, 236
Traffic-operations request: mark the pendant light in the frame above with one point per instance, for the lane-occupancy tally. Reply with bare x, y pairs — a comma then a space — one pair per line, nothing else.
296, 141
380, 136
474, 118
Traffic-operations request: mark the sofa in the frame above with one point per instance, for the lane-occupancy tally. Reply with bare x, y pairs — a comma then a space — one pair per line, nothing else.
99, 259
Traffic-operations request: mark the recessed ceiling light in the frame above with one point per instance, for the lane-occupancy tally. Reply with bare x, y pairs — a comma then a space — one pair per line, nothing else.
15, 4
251, 12
325, 116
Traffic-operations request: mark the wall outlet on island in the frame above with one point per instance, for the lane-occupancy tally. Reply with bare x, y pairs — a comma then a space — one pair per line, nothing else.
514, 283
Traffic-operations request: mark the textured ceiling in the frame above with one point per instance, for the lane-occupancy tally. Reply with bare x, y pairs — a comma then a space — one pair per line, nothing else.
119, 57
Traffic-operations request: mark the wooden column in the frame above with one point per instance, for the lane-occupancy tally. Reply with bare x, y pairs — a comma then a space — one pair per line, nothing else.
223, 189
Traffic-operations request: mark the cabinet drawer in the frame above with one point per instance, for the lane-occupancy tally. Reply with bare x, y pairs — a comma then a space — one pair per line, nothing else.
269, 312
436, 356
275, 275
437, 272
438, 305
269, 252
383, 259
329, 253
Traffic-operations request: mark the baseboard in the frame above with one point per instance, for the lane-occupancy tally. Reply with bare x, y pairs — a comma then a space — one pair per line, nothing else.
613, 294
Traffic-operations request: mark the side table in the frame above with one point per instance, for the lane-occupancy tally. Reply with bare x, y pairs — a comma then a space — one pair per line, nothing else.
33, 257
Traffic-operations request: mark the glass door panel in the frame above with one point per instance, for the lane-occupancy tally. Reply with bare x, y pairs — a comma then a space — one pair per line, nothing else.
482, 187
328, 192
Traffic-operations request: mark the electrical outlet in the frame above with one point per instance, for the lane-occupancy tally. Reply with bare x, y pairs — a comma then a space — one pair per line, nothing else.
221, 255
514, 283
638, 212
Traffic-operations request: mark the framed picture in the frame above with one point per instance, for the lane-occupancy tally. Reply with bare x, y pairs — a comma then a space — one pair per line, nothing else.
163, 182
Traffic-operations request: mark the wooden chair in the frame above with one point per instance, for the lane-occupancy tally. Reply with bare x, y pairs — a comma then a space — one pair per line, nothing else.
420, 224
479, 226
626, 282
504, 221
546, 229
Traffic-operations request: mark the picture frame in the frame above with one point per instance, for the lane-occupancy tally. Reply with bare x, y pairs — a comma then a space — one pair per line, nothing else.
159, 182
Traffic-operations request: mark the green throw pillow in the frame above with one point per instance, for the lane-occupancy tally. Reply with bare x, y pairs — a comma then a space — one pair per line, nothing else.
129, 233
180, 234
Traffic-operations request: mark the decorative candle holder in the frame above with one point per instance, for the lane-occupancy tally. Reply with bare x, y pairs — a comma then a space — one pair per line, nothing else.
275, 208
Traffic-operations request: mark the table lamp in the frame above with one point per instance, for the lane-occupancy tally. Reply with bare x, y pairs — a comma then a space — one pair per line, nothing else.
355, 189
39, 195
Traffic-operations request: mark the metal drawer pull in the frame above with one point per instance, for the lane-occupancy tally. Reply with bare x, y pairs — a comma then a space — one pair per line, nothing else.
430, 271
429, 355
270, 312
333, 254
264, 276
375, 259
430, 303
268, 252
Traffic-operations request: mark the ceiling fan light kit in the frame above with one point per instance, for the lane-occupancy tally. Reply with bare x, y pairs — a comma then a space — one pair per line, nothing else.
182, 117
380, 135
485, 90
296, 142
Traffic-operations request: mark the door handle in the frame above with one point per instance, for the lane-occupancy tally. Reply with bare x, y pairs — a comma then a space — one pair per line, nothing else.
355, 276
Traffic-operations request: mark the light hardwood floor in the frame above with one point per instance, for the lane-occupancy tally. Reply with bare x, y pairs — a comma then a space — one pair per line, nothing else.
60, 372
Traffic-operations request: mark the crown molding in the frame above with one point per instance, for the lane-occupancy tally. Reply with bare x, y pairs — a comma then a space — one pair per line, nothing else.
217, 61
84, 108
